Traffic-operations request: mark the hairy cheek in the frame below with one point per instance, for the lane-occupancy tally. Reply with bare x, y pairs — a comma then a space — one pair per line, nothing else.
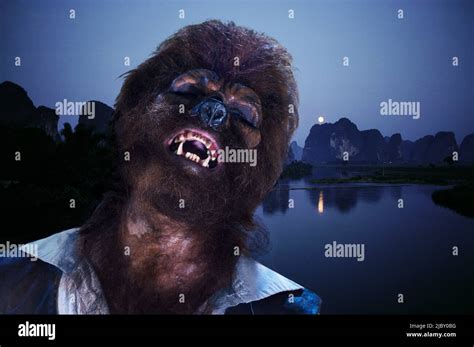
146, 181
167, 114
250, 136
149, 126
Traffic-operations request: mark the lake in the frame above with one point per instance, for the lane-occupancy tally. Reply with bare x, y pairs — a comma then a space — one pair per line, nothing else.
408, 250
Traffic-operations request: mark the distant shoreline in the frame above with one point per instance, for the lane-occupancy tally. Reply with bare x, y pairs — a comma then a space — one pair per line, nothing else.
457, 180
436, 175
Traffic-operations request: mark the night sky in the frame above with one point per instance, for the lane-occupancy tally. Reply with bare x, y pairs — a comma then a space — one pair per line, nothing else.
404, 60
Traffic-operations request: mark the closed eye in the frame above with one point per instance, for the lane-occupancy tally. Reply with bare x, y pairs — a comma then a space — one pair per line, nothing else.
194, 82
188, 90
185, 94
243, 117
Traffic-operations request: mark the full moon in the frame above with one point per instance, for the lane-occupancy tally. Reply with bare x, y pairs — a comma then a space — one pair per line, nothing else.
321, 119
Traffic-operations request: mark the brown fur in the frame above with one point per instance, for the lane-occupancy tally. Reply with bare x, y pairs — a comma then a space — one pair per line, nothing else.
187, 250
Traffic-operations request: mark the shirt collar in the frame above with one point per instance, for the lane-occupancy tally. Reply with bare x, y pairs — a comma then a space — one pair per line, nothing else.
252, 280
60, 250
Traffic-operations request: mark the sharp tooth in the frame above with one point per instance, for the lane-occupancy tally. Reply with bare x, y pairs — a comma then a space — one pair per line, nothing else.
180, 149
206, 161
213, 152
188, 155
208, 144
176, 140
182, 138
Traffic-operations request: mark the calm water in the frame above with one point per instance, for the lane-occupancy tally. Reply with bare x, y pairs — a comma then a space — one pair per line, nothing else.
407, 250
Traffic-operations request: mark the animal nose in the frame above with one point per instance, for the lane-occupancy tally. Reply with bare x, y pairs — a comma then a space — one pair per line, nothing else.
212, 112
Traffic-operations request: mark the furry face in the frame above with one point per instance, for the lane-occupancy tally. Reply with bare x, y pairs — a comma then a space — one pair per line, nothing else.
208, 88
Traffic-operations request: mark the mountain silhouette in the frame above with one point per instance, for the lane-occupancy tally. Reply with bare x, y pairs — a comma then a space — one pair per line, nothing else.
43, 171
17, 111
331, 143
101, 121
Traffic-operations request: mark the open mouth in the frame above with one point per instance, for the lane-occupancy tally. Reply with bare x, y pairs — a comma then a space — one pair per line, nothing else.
196, 147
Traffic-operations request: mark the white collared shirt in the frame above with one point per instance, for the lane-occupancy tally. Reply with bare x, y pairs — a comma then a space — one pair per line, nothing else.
80, 291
